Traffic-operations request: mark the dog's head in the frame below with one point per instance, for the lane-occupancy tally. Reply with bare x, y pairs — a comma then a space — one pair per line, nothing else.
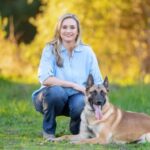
96, 95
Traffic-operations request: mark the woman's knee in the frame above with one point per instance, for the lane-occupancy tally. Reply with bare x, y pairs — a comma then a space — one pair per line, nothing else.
54, 94
76, 112
77, 106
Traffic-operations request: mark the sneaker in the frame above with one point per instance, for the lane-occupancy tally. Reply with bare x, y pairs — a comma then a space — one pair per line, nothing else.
48, 137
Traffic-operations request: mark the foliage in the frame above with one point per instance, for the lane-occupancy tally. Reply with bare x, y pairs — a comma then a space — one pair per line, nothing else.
118, 31
18, 14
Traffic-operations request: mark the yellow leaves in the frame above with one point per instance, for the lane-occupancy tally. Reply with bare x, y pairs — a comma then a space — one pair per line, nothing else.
147, 78
29, 1
136, 43
117, 30
3, 24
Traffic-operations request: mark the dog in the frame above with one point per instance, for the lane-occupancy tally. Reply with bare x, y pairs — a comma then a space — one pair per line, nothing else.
104, 123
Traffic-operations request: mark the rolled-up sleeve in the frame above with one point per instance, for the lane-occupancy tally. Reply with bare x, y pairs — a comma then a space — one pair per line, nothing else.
46, 66
94, 69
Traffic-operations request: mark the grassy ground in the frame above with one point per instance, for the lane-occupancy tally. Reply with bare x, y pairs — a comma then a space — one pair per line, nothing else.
21, 125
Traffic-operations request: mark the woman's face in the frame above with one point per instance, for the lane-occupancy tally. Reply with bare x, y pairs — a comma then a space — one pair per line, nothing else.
69, 30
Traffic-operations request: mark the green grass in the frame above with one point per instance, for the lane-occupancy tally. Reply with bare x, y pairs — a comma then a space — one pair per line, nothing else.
21, 125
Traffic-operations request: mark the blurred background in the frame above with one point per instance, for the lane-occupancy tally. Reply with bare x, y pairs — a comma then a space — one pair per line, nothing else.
117, 30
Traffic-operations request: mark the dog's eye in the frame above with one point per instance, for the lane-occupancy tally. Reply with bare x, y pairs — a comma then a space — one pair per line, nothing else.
94, 92
103, 93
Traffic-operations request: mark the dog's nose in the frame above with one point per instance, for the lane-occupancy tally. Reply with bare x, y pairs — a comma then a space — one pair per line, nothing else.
98, 102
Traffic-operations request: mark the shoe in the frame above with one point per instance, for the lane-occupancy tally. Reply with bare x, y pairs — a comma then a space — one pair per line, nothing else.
48, 137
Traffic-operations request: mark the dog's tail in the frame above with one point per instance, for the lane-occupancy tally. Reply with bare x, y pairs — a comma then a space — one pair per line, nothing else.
144, 138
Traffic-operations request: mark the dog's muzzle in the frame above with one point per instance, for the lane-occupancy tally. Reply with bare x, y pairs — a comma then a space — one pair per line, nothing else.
98, 107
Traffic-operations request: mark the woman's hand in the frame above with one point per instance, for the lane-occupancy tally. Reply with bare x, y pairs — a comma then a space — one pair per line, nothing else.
51, 81
78, 88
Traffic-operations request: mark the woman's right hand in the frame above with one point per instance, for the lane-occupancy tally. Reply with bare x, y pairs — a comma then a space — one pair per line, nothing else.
78, 88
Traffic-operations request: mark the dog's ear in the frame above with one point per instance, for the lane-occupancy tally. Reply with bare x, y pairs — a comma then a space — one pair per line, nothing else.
90, 81
106, 83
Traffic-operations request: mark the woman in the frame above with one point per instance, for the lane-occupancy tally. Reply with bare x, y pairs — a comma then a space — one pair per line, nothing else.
63, 71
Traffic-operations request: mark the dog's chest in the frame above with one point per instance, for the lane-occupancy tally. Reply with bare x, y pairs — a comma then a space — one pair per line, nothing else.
93, 124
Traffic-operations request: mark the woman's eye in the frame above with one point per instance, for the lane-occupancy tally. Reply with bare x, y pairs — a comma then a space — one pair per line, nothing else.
69, 27
64, 27
72, 27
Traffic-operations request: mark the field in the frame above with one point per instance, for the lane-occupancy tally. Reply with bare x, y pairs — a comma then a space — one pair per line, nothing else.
21, 125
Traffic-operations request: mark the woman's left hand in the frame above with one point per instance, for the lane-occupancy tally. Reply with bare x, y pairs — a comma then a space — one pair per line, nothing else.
79, 88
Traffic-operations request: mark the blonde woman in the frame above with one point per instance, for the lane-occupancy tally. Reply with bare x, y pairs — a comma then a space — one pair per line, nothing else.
63, 71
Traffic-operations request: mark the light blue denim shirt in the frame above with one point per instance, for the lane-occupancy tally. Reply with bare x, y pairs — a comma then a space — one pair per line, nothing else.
76, 68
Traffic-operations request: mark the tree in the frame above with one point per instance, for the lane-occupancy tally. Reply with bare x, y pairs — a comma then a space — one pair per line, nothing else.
18, 12
118, 31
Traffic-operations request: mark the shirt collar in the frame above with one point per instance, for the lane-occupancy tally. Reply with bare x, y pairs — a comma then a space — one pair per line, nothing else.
76, 49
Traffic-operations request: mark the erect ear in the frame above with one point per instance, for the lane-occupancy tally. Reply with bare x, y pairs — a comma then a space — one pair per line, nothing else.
106, 83
90, 81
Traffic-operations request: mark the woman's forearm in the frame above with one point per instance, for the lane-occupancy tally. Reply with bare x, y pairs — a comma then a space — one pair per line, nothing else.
55, 81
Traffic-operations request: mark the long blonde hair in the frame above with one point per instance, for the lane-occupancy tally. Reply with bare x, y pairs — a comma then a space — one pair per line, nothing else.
57, 41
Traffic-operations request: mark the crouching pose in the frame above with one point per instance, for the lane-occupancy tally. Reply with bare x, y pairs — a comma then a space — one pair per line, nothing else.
63, 71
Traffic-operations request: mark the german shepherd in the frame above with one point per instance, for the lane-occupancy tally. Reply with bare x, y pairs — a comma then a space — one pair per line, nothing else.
104, 123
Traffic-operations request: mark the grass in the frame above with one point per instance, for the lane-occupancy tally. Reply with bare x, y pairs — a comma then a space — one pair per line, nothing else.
21, 125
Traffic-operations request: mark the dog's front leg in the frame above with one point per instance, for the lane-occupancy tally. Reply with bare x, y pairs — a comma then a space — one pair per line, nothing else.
95, 140
67, 138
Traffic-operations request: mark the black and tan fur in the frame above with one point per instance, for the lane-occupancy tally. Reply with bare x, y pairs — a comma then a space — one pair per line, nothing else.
113, 125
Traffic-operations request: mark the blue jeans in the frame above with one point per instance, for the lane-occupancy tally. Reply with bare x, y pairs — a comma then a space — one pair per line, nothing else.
54, 101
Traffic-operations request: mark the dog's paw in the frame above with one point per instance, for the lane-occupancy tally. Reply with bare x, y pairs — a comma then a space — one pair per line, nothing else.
59, 139
74, 142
